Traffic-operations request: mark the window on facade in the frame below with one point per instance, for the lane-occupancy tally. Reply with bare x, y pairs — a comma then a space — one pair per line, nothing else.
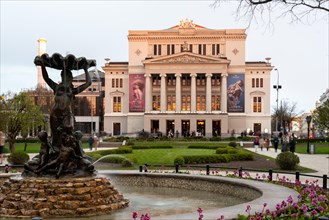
186, 80
257, 82
186, 103
171, 80
215, 80
202, 49
215, 49
156, 80
156, 103
113, 83
200, 80
257, 104
116, 83
171, 103
121, 83
200, 103
215, 103
116, 104
157, 49
170, 49
191, 48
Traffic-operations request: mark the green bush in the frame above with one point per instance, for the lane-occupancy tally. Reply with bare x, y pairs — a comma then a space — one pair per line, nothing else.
201, 147
126, 163
120, 150
215, 139
152, 147
287, 160
221, 151
232, 151
18, 158
232, 144
179, 160
94, 156
113, 159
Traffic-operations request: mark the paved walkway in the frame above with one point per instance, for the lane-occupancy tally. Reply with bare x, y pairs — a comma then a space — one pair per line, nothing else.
318, 162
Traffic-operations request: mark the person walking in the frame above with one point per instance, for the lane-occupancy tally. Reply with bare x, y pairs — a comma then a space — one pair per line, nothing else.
90, 142
276, 143
2, 145
256, 143
261, 143
285, 142
292, 143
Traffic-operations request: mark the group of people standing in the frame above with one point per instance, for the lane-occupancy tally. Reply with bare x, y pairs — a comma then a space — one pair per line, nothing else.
288, 142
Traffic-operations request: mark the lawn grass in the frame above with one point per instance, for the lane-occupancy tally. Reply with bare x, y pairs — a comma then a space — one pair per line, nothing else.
31, 147
320, 148
179, 143
163, 156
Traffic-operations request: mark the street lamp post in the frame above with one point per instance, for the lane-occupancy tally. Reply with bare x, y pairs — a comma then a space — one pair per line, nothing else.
277, 87
308, 120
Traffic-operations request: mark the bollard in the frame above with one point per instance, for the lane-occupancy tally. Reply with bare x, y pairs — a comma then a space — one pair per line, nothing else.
208, 169
270, 175
240, 172
297, 176
140, 169
324, 181
177, 167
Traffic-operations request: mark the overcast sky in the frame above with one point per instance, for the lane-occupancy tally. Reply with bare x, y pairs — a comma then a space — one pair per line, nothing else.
99, 29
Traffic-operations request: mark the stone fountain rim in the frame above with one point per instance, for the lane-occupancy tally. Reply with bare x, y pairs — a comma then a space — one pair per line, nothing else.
272, 194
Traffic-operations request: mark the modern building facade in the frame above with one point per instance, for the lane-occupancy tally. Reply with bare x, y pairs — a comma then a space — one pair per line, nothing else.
187, 79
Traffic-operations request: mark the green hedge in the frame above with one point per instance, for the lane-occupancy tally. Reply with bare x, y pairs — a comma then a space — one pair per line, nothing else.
120, 150
152, 147
217, 158
224, 150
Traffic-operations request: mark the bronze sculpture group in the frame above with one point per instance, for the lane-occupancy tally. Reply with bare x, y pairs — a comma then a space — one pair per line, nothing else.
62, 155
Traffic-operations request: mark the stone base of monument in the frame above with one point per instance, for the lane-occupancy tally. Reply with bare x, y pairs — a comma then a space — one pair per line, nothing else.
67, 197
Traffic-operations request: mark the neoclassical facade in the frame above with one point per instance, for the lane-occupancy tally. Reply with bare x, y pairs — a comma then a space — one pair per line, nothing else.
187, 79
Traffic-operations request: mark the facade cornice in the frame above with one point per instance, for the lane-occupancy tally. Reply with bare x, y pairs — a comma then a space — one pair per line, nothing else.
201, 38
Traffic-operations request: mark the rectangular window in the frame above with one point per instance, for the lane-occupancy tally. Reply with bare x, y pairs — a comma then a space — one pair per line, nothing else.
215, 49
257, 83
257, 104
170, 49
186, 103
156, 103
157, 49
215, 103
121, 83
113, 83
191, 48
261, 82
202, 49
253, 82
171, 103
201, 103
116, 104
156, 80
116, 83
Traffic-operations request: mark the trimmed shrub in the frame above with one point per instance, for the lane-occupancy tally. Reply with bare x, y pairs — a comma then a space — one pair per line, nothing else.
221, 151
215, 139
287, 160
232, 151
126, 163
202, 147
113, 159
120, 150
95, 156
232, 144
18, 158
152, 147
179, 160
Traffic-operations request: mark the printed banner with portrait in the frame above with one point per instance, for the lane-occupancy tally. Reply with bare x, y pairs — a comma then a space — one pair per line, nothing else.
136, 93
235, 93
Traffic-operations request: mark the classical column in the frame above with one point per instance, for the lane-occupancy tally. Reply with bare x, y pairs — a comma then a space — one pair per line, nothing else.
148, 92
208, 92
193, 92
178, 92
163, 92
223, 96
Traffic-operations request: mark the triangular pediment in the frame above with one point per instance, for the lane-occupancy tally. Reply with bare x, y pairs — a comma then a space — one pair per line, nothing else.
187, 58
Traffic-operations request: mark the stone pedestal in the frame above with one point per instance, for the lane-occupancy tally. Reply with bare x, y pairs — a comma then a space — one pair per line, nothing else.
29, 197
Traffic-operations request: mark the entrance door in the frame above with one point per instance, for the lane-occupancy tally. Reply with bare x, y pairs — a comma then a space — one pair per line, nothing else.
155, 128
258, 129
170, 128
201, 125
186, 128
216, 129
116, 129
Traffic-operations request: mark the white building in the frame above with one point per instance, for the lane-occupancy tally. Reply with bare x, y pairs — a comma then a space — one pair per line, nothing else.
187, 78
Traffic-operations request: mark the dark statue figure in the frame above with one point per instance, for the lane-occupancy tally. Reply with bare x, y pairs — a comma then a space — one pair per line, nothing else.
62, 155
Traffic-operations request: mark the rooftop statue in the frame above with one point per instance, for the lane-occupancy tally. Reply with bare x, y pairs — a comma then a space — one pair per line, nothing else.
63, 154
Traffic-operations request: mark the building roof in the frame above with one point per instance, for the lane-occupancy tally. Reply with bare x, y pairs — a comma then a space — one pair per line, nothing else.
93, 75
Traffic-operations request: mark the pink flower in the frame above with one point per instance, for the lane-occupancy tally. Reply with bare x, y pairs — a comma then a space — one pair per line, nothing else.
314, 212
290, 199
304, 207
135, 215
321, 209
199, 210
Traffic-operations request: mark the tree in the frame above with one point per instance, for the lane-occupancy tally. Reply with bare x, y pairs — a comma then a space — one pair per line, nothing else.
17, 114
321, 116
285, 114
297, 9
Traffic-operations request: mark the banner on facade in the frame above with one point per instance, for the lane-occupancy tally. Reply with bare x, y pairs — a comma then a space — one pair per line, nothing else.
235, 93
136, 93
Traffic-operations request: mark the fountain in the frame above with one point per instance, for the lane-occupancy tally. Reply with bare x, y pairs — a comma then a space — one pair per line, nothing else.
61, 180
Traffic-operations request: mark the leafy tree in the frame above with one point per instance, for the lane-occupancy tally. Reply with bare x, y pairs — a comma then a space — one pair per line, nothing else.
298, 10
17, 114
321, 116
